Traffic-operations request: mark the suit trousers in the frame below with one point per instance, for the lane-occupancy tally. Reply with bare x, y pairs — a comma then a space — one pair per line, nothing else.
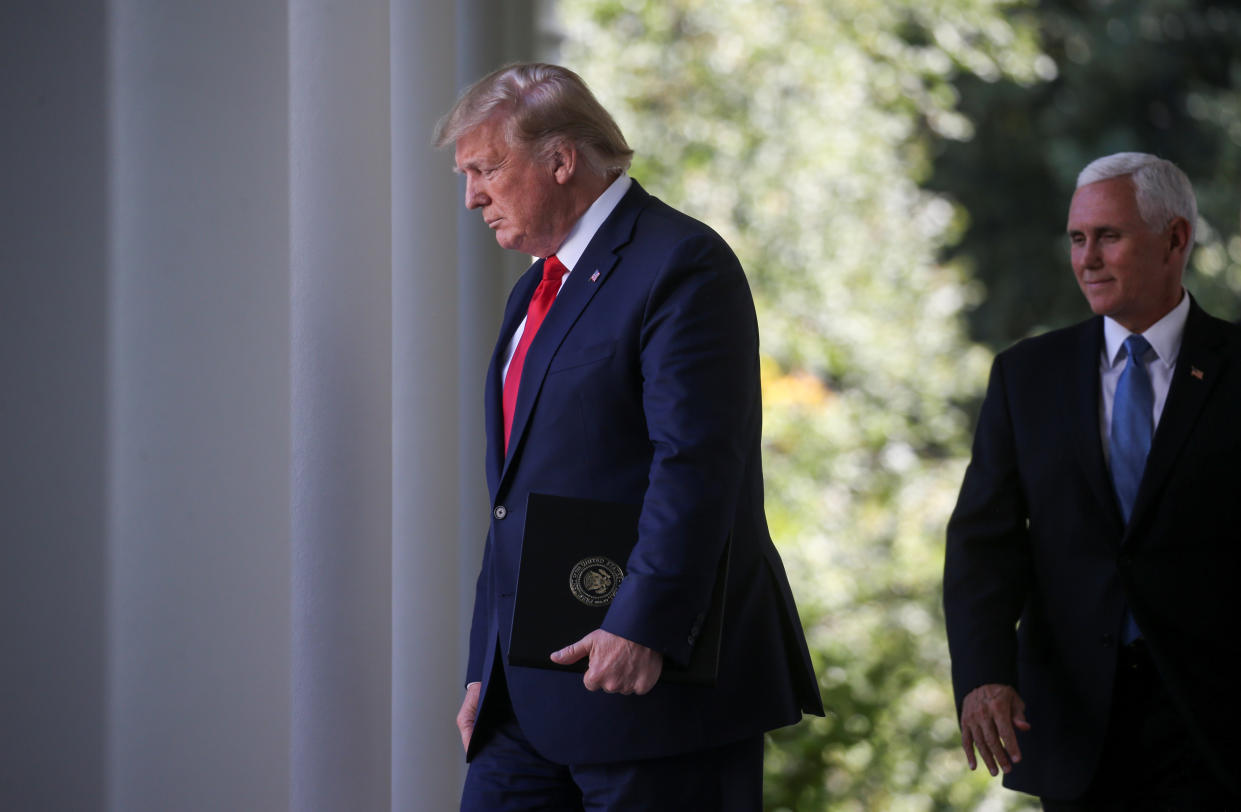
1150, 762
509, 775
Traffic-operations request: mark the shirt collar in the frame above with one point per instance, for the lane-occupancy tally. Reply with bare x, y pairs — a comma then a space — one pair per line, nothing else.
1164, 335
583, 231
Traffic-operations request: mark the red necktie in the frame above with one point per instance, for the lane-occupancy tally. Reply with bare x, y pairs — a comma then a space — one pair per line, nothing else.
540, 303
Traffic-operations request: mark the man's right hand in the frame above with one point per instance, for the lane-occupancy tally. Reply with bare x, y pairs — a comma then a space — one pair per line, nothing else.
468, 713
991, 715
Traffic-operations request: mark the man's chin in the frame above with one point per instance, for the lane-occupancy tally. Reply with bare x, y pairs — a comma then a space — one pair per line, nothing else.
508, 242
1100, 305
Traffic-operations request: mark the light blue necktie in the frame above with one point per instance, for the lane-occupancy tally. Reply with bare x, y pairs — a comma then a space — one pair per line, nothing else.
1130, 441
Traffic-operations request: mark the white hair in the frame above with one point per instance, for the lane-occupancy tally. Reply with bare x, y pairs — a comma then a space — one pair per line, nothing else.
1161, 189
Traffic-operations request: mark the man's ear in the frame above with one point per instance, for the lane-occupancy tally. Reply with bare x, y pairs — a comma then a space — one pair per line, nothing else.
1177, 238
564, 162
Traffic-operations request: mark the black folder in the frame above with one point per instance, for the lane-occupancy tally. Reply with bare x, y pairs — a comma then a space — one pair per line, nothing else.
573, 557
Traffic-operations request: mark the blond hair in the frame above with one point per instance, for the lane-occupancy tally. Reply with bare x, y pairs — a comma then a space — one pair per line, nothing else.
543, 106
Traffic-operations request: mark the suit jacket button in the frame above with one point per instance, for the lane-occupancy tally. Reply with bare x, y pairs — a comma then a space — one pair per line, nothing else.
500, 512
1106, 640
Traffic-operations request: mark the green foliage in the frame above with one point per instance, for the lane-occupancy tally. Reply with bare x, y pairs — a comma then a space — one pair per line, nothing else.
1155, 76
802, 131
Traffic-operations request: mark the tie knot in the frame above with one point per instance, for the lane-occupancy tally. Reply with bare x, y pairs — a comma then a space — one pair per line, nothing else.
1136, 346
553, 269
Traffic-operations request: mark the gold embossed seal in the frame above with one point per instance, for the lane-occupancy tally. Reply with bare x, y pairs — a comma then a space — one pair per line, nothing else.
594, 580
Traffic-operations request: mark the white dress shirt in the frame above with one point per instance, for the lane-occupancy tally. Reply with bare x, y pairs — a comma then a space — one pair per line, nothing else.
574, 245
1164, 336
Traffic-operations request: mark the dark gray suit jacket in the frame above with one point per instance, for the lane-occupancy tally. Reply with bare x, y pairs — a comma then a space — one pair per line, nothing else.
1040, 564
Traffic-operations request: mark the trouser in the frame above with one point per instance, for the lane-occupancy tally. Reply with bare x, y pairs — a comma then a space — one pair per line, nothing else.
508, 775
1150, 761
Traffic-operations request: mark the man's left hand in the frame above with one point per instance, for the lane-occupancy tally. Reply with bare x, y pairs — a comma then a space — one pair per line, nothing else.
991, 715
616, 665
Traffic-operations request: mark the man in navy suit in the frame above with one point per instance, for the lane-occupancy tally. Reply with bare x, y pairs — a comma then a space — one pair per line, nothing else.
1092, 557
626, 370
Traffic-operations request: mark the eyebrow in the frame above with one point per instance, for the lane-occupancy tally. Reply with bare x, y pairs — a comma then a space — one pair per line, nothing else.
473, 163
1094, 229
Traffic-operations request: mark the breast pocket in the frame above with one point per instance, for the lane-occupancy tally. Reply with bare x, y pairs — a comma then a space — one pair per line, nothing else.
577, 357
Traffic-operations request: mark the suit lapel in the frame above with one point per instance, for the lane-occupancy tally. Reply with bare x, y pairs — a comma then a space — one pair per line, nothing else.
515, 311
1197, 371
586, 280
1089, 442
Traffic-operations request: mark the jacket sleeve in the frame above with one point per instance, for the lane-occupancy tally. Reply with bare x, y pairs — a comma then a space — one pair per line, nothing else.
701, 403
478, 624
987, 562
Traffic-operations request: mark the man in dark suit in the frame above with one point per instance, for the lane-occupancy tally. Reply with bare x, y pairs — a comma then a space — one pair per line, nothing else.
626, 370
1093, 552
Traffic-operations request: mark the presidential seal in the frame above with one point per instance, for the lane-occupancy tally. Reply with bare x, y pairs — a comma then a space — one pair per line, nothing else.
594, 580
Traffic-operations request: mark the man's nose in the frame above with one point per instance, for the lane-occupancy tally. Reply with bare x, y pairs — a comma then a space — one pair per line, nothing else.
1092, 257
475, 196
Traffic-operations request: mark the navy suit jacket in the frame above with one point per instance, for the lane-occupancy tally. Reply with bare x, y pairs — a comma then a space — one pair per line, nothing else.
642, 386
1040, 564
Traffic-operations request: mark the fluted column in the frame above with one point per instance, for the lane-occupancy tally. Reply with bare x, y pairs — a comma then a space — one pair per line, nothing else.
427, 410
342, 404
53, 396
241, 436
198, 419
490, 33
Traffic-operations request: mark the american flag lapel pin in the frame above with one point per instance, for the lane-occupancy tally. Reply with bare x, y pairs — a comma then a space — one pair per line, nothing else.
1197, 373
594, 277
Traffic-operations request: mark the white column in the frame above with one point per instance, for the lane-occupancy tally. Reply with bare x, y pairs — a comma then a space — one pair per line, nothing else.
491, 33
53, 390
449, 283
241, 455
428, 649
342, 404
199, 429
